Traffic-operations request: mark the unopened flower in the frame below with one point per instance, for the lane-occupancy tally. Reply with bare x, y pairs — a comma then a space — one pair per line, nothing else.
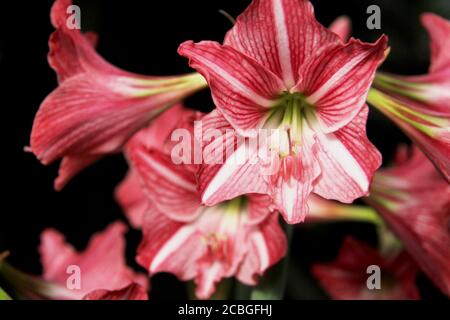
289, 74
414, 200
241, 237
96, 107
420, 105
347, 278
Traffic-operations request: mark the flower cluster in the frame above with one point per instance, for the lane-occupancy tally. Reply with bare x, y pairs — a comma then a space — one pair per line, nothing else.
285, 74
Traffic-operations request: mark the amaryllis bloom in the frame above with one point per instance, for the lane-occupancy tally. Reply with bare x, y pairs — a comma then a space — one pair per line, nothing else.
289, 75
99, 272
240, 237
420, 105
96, 107
347, 277
414, 200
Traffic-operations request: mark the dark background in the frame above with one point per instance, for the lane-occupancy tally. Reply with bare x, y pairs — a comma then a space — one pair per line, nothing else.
143, 37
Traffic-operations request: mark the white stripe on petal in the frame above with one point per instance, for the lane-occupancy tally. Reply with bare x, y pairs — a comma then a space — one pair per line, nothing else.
263, 252
234, 162
235, 83
169, 174
331, 83
283, 47
344, 158
175, 242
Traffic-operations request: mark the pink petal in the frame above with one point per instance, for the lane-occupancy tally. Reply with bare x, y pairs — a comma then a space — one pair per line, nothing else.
169, 246
260, 207
171, 188
346, 278
240, 172
439, 30
281, 41
437, 149
418, 211
71, 52
242, 89
268, 247
422, 233
70, 166
336, 80
102, 265
132, 292
342, 27
97, 107
347, 160
291, 191
132, 199
85, 115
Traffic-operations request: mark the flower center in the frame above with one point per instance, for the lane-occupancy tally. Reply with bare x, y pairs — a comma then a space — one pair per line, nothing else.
288, 119
218, 242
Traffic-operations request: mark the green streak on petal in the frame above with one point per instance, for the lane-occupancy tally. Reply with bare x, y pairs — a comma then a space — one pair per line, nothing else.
4, 295
408, 89
190, 83
349, 213
392, 108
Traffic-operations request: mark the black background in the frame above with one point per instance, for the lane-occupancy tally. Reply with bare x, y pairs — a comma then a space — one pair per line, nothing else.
143, 37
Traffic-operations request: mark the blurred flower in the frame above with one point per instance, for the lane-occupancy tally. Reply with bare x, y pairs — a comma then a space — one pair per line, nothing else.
240, 238
289, 74
98, 272
96, 107
347, 277
414, 200
420, 105
132, 292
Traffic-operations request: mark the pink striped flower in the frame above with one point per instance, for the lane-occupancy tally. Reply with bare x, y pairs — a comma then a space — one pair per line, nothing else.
240, 237
420, 105
288, 74
98, 273
347, 277
414, 200
96, 107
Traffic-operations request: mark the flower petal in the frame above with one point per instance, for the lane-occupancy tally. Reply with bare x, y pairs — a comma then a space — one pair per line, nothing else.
97, 107
132, 292
438, 29
347, 160
102, 265
342, 27
291, 193
415, 202
281, 41
242, 89
336, 80
171, 188
164, 245
268, 247
240, 172
131, 197
346, 278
